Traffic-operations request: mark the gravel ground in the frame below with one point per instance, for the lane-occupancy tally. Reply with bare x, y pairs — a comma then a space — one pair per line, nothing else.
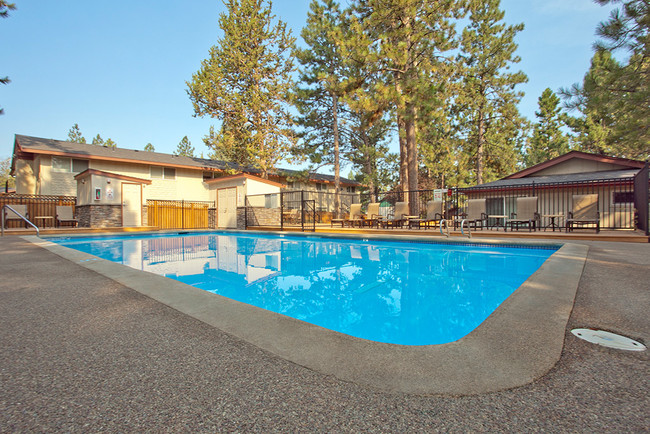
82, 353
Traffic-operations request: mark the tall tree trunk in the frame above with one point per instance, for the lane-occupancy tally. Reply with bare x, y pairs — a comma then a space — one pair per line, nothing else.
337, 166
480, 148
412, 165
368, 165
403, 154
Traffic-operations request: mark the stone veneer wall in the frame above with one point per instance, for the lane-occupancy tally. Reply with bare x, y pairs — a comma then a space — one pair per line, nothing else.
258, 216
212, 218
99, 216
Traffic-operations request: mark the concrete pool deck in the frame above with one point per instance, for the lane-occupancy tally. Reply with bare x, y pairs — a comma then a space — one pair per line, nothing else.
516, 344
93, 340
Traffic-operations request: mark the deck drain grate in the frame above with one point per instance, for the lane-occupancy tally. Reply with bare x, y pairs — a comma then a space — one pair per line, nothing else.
607, 339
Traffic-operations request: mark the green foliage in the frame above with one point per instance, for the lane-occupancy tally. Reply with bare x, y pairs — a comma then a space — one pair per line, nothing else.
614, 99
185, 148
317, 94
245, 83
5, 7
97, 140
548, 140
5, 178
149, 147
74, 135
4, 13
401, 47
110, 143
487, 101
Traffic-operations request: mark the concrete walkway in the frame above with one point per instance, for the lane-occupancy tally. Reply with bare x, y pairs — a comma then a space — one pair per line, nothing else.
81, 352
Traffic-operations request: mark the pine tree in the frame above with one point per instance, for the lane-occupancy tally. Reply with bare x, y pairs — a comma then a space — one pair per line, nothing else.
319, 90
488, 99
614, 98
548, 140
149, 148
185, 148
97, 140
110, 143
403, 43
4, 13
246, 82
74, 135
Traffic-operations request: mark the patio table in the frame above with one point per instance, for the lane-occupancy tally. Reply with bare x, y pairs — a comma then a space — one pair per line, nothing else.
552, 223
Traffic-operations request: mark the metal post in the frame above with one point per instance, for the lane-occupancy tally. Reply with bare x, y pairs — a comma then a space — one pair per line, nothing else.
302, 210
281, 211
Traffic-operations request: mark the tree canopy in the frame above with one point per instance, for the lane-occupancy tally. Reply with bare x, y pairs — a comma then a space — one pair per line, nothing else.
245, 83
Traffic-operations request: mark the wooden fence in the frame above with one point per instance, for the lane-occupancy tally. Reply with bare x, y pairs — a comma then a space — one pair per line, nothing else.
41, 210
178, 214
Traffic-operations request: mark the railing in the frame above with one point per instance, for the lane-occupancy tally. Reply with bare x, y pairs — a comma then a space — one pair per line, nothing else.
301, 209
178, 214
3, 211
40, 209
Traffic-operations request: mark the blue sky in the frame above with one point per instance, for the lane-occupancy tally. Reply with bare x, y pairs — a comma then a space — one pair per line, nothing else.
119, 68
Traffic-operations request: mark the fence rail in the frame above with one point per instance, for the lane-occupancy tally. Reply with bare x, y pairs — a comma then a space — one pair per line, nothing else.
41, 210
178, 214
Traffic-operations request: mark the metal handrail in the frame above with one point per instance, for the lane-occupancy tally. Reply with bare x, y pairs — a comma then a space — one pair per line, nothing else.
2, 230
469, 231
446, 225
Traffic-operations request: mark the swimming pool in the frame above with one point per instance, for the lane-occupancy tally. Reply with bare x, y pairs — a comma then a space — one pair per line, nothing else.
386, 291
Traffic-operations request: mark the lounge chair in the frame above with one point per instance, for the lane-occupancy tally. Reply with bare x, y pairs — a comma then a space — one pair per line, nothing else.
435, 213
355, 215
372, 217
476, 214
65, 214
11, 215
401, 209
526, 214
585, 212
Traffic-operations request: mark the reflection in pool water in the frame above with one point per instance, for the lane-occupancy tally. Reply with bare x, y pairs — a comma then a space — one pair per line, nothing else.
394, 292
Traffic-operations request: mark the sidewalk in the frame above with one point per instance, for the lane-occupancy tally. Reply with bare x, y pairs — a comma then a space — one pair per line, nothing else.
81, 352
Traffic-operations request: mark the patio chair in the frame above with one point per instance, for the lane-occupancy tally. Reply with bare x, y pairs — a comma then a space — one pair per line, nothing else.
12, 216
526, 214
65, 214
585, 212
355, 215
435, 213
401, 209
476, 214
372, 217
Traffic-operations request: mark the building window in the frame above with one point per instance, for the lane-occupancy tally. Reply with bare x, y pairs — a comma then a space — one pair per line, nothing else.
60, 164
290, 184
169, 173
623, 197
208, 175
157, 172
79, 166
320, 186
350, 189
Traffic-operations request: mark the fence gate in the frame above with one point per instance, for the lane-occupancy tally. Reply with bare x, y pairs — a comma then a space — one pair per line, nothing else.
178, 214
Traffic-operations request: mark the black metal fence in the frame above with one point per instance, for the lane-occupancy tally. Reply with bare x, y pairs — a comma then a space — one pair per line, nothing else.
297, 209
642, 198
622, 203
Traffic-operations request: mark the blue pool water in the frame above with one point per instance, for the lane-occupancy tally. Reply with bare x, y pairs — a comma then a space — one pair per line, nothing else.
386, 291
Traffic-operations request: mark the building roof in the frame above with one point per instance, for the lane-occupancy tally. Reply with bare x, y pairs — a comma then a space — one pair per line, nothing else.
24, 146
89, 172
625, 162
243, 176
626, 175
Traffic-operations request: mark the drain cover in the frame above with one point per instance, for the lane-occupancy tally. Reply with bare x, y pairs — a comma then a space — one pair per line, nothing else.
608, 339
